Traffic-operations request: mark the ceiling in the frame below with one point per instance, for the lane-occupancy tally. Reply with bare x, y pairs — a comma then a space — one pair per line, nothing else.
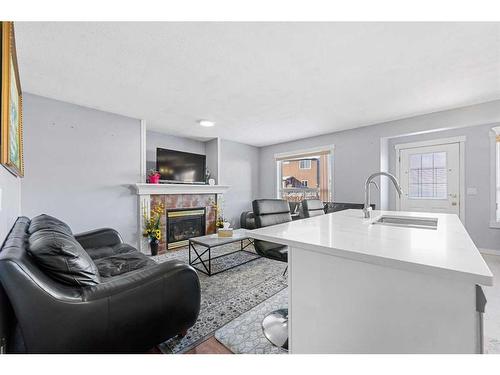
262, 83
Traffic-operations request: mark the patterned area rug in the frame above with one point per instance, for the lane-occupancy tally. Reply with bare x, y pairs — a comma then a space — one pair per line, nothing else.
227, 295
243, 335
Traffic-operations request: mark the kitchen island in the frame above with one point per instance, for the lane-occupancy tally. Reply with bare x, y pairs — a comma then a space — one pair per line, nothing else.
359, 285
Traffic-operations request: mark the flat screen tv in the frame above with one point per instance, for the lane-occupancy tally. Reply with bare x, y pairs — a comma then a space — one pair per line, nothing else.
180, 167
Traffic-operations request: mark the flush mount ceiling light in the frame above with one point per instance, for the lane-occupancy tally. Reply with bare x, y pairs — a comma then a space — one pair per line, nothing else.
206, 123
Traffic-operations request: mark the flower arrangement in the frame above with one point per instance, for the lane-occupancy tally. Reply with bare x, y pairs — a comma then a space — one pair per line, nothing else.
153, 176
152, 228
219, 214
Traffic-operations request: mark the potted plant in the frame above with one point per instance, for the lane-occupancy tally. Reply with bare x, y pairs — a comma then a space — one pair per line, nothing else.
152, 230
153, 176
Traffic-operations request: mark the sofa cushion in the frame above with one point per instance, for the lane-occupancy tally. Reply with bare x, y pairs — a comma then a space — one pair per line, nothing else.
107, 251
63, 258
122, 263
45, 221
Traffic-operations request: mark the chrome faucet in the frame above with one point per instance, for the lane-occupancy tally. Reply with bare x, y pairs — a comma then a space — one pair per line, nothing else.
367, 208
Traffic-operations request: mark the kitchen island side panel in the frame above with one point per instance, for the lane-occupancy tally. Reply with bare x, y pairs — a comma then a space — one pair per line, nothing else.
339, 305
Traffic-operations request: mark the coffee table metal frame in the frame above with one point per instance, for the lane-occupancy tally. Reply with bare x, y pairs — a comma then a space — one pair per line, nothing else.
207, 263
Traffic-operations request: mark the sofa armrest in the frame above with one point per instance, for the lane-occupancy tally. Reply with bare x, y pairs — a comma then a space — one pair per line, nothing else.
157, 302
142, 279
99, 238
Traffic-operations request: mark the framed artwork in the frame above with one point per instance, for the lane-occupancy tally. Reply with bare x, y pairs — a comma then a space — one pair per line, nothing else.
11, 125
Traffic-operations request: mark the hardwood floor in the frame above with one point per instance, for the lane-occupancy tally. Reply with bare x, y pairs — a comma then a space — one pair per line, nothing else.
210, 346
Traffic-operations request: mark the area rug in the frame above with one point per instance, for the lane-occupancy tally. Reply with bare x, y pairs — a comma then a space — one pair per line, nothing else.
243, 335
227, 295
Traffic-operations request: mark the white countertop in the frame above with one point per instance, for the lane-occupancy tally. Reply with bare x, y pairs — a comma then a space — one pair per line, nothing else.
447, 251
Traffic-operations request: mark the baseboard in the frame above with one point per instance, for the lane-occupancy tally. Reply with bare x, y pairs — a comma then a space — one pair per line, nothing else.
489, 251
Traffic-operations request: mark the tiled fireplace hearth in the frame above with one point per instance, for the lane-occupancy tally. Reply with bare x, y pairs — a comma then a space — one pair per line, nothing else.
189, 211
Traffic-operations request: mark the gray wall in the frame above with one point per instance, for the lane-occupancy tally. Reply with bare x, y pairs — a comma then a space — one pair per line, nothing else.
79, 165
10, 201
477, 174
212, 152
239, 167
358, 153
162, 140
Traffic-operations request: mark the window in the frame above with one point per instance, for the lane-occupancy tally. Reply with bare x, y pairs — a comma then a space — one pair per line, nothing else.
305, 175
305, 164
427, 176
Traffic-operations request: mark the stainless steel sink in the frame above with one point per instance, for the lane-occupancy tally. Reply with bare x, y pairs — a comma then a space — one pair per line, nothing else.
408, 222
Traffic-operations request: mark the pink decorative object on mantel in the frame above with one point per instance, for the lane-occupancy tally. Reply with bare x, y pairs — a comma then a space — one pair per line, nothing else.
153, 177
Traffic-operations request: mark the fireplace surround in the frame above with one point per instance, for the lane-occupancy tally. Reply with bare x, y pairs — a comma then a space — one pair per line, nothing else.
183, 224
177, 197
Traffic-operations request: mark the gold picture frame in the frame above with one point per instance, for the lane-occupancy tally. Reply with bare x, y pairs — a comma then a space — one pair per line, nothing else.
11, 114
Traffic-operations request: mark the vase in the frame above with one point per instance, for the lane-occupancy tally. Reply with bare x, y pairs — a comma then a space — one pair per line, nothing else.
154, 179
154, 247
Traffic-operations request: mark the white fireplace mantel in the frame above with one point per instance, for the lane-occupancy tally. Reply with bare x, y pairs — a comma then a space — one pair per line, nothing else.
160, 189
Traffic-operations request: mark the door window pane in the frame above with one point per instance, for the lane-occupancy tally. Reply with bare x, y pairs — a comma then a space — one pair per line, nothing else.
427, 176
415, 161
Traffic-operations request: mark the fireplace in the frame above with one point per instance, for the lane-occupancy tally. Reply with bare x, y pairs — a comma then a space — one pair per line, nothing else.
183, 224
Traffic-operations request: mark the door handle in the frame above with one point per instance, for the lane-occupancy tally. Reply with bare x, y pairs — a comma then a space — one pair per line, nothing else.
453, 195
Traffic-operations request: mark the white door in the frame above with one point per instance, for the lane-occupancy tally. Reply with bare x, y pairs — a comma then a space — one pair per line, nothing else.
430, 178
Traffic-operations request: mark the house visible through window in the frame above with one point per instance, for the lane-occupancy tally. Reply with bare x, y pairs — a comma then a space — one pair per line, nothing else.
305, 176
305, 164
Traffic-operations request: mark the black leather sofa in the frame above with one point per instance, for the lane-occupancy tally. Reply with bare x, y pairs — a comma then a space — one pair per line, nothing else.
88, 293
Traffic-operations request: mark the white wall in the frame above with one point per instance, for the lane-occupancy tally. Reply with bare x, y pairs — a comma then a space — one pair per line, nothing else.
10, 201
357, 154
79, 165
156, 140
239, 167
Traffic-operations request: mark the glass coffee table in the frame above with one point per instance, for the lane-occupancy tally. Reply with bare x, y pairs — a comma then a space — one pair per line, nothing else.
201, 248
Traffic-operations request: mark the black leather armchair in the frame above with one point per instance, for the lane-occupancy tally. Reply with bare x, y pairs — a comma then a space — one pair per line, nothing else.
131, 312
313, 207
247, 220
271, 212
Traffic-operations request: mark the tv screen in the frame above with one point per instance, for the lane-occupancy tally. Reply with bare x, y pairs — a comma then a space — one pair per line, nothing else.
178, 166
